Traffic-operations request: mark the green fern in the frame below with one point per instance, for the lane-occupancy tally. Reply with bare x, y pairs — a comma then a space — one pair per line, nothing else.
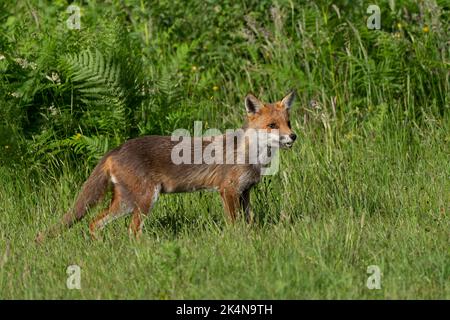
96, 78
95, 147
96, 83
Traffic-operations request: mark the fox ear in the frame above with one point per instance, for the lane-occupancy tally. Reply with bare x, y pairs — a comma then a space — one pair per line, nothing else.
252, 104
289, 99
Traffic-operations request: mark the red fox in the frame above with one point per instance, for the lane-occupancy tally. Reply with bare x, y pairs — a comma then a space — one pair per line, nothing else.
143, 168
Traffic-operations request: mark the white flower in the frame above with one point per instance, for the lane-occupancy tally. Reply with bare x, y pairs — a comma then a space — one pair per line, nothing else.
25, 64
54, 78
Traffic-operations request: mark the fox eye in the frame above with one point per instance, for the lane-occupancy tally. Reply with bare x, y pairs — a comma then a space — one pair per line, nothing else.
272, 125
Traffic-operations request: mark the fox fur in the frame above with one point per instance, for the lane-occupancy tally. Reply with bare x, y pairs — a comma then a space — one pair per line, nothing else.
141, 169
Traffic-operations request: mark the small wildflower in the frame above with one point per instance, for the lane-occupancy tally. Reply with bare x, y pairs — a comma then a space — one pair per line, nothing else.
25, 64
22, 62
349, 136
194, 68
399, 25
78, 136
53, 110
6, 147
314, 104
215, 88
54, 78
426, 29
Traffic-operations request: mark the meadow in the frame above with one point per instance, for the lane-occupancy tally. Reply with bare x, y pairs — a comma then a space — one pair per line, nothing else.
367, 182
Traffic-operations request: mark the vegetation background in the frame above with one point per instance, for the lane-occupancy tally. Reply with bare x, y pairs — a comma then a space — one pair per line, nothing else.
367, 182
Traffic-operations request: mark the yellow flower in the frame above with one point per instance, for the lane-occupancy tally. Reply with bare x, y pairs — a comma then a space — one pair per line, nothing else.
78, 136
399, 25
215, 88
426, 29
194, 68
349, 136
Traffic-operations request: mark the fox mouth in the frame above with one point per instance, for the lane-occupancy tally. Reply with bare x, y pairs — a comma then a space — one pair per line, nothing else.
287, 145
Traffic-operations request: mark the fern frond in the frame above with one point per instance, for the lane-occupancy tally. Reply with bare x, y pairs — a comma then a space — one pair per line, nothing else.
94, 77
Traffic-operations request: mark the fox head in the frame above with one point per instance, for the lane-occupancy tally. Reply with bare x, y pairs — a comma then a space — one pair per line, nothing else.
273, 117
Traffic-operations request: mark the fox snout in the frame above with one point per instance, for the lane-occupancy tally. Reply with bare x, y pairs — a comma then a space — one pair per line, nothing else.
287, 140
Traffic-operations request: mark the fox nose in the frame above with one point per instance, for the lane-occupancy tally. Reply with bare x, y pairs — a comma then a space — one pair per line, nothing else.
293, 136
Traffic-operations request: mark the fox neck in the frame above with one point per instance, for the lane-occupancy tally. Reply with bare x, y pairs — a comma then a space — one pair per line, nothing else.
264, 147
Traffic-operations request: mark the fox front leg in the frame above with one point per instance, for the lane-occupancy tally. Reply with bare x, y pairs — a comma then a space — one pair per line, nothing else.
244, 201
230, 199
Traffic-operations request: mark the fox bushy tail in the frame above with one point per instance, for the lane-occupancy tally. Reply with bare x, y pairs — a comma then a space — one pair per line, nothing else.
91, 193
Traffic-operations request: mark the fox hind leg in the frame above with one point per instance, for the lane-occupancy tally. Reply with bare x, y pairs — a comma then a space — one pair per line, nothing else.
142, 208
121, 205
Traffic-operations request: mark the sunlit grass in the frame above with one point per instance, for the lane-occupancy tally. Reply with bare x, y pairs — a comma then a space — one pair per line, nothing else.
319, 224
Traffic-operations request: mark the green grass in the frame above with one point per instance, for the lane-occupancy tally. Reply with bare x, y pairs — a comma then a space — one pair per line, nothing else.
320, 222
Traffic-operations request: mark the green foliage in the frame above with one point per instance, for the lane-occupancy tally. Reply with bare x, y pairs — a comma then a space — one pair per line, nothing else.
147, 68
